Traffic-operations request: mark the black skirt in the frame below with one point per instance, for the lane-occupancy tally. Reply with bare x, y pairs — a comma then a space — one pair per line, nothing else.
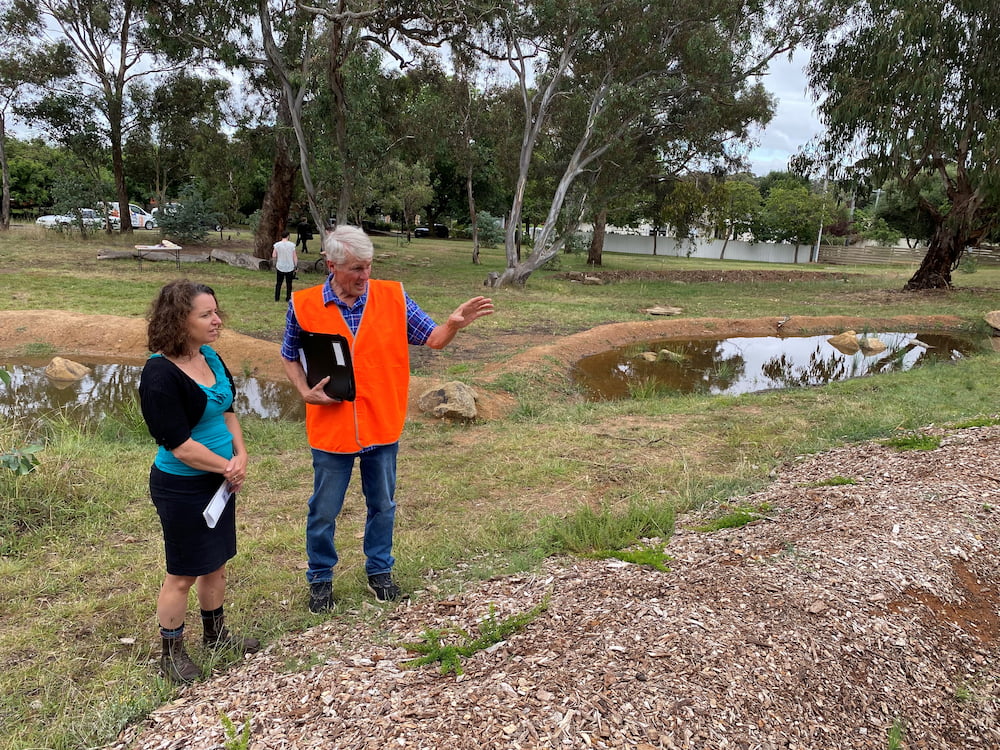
191, 548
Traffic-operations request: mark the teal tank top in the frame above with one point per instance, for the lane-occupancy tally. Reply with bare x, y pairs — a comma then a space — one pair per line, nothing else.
211, 430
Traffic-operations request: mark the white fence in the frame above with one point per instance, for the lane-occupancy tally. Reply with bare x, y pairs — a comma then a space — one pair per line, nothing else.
773, 252
766, 252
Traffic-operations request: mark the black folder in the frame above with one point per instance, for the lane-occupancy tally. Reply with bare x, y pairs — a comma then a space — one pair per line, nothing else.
325, 354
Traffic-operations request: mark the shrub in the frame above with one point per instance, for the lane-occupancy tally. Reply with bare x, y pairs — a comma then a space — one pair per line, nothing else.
190, 219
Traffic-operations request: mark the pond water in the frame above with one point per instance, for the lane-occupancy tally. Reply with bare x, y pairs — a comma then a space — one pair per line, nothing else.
746, 365
111, 385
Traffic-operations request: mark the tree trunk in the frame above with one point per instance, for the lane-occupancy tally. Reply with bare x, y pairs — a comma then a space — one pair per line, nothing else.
339, 50
278, 198
473, 220
118, 163
955, 231
5, 169
943, 253
594, 254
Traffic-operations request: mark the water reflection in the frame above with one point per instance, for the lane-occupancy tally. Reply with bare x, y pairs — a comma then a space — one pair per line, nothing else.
111, 387
746, 365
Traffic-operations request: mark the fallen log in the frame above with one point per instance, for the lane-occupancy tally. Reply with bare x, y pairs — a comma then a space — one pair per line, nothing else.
242, 260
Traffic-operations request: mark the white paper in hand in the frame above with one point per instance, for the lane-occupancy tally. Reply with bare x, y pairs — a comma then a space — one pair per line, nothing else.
217, 504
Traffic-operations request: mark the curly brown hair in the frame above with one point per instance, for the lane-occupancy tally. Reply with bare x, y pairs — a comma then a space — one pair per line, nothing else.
166, 326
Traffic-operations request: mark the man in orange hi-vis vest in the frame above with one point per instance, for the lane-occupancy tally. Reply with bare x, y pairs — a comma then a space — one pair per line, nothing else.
378, 320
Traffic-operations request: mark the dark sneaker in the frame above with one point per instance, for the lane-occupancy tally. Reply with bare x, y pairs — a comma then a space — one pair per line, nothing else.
320, 596
384, 588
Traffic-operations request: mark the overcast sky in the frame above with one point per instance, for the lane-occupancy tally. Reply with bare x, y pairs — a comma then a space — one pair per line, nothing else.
794, 121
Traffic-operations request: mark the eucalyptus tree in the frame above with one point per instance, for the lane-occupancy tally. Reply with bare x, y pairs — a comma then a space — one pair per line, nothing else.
272, 47
734, 208
689, 69
794, 213
299, 47
446, 120
903, 209
177, 120
112, 52
906, 89
25, 66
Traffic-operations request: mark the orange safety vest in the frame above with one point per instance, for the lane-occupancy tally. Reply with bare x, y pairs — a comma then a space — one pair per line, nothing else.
381, 358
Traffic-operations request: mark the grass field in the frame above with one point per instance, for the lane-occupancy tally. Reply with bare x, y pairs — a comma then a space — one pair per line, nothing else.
80, 548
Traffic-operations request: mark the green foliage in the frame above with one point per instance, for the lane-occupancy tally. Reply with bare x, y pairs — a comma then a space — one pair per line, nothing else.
449, 645
592, 533
72, 192
895, 736
20, 460
923, 120
734, 207
792, 213
651, 556
837, 481
741, 515
190, 219
876, 228
236, 739
969, 263
976, 422
907, 207
914, 442
403, 190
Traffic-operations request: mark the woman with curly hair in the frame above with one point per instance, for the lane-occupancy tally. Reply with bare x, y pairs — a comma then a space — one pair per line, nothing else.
186, 394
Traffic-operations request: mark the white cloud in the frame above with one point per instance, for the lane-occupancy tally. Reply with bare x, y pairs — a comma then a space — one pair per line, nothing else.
795, 121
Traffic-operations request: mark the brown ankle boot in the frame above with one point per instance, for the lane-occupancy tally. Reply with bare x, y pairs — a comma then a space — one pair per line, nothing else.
175, 663
217, 635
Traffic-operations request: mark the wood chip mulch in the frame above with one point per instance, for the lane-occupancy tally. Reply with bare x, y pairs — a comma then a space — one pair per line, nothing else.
845, 613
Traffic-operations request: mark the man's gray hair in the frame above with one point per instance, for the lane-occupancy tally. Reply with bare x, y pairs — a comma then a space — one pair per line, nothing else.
347, 240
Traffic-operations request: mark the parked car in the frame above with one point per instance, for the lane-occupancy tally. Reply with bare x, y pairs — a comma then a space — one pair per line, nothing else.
88, 216
439, 230
141, 218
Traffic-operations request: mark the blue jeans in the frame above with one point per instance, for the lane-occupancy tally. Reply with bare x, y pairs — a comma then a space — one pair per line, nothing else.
331, 475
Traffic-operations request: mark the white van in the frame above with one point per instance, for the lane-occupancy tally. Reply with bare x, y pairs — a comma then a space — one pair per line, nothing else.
141, 219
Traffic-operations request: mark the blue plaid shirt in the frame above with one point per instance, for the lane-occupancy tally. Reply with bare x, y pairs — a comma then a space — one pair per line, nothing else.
418, 323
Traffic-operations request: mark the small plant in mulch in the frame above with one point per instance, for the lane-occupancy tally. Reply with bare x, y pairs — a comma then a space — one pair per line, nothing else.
976, 422
837, 481
651, 557
449, 645
896, 733
741, 515
914, 442
236, 738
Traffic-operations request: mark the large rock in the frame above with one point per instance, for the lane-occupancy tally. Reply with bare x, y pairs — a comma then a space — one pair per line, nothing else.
453, 400
870, 345
845, 343
663, 310
993, 318
66, 370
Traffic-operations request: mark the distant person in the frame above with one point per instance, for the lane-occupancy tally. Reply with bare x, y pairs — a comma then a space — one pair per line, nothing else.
304, 233
186, 395
286, 260
379, 321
